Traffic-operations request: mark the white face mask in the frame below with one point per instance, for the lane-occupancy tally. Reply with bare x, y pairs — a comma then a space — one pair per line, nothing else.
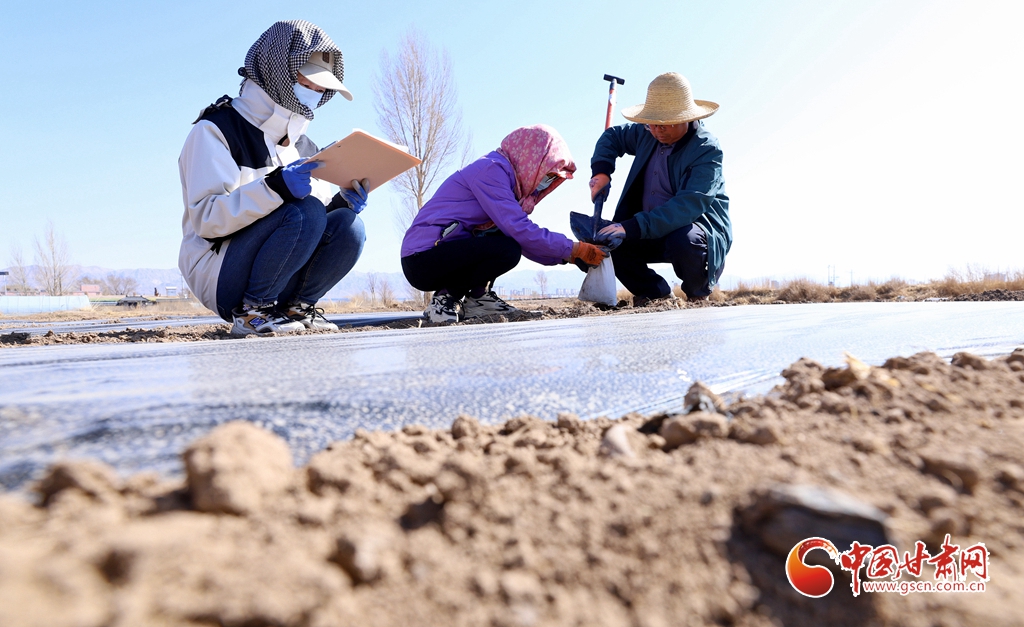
307, 96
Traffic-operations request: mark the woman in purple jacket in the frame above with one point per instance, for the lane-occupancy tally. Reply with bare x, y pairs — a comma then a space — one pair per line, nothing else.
477, 226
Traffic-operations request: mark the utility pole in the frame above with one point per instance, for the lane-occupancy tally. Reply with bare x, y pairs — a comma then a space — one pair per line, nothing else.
851, 278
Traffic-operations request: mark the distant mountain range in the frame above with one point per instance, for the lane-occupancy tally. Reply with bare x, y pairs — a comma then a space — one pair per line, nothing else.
561, 280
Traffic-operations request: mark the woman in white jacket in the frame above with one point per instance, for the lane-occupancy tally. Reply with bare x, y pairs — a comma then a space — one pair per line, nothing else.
262, 240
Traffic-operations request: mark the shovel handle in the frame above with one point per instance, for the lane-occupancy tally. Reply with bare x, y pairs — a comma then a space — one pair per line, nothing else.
598, 207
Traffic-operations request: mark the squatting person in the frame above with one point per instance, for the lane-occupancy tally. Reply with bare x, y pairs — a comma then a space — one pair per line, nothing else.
673, 207
477, 226
262, 240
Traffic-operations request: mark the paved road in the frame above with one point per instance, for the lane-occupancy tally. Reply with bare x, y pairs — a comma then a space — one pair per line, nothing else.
136, 406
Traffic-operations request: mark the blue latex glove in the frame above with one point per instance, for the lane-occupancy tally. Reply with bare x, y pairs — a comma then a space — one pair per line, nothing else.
356, 197
611, 236
296, 177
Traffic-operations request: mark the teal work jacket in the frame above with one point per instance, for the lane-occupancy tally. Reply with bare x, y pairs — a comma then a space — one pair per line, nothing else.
695, 173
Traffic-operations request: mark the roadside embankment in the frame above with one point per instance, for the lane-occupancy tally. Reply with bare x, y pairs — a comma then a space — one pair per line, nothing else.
673, 519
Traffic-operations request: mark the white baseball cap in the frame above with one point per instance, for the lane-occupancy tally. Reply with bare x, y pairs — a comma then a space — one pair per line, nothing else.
320, 70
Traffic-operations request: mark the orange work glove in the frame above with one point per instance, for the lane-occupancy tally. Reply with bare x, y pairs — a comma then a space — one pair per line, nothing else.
588, 254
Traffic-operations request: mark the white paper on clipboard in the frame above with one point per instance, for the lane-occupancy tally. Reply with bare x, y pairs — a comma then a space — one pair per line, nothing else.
362, 156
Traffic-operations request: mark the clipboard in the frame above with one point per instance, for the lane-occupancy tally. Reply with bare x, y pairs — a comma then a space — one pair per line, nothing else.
362, 156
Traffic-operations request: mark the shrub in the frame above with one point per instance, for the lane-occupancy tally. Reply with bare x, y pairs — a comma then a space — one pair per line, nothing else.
805, 291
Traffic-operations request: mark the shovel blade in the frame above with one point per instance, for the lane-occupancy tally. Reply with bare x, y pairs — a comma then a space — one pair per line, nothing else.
584, 227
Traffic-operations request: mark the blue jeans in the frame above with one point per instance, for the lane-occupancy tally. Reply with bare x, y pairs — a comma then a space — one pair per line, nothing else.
294, 255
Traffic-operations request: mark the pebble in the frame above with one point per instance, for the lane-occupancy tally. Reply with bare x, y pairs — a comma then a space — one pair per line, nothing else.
784, 515
680, 430
465, 427
959, 472
615, 442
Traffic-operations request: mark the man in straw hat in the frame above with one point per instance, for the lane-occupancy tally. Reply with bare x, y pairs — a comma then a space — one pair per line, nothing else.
673, 207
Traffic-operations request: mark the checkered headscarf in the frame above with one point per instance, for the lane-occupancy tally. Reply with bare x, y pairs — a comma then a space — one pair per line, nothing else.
274, 60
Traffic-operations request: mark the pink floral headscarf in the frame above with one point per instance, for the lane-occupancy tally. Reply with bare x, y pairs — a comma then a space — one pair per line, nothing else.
534, 151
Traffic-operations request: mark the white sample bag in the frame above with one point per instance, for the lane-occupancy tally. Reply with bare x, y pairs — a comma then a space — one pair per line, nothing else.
599, 285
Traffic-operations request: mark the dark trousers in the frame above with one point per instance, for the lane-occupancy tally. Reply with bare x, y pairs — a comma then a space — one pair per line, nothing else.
686, 249
461, 265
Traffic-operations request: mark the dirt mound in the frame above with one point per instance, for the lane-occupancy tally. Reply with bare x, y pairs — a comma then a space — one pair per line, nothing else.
988, 295
673, 519
190, 333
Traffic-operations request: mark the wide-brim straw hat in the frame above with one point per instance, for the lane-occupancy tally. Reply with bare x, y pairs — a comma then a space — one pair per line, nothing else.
669, 101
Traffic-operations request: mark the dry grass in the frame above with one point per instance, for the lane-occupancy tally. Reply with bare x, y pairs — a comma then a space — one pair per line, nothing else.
971, 280
805, 291
974, 280
362, 303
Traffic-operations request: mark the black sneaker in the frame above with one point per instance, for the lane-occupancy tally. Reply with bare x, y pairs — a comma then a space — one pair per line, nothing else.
443, 308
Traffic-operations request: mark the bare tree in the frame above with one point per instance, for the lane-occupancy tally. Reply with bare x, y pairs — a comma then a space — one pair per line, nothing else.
19, 280
54, 271
373, 286
419, 298
416, 103
120, 284
542, 282
387, 293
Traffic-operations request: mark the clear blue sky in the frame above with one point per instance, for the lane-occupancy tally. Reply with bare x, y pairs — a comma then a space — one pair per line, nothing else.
879, 136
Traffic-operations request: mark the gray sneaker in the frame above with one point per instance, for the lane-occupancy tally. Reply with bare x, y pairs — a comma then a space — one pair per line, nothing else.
443, 308
310, 317
487, 305
267, 320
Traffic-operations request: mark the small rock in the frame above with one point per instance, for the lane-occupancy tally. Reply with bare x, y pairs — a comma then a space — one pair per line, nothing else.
94, 479
870, 444
522, 423
856, 370
569, 422
465, 427
1011, 476
1017, 356
960, 473
362, 556
759, 434
700, 398
784, 515
655, 441
681, 430
615, 442
936, 496
237, 468
967, 360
